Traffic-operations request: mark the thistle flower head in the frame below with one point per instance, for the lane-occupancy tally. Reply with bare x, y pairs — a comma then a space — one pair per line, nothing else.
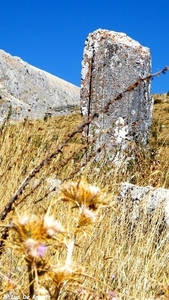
62, 274
51, 226
82, 193
24, 220
34, 249
27, 225
41, 250
86, 217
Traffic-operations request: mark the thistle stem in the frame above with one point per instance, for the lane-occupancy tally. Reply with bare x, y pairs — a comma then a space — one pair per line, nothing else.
56, 293
31, 280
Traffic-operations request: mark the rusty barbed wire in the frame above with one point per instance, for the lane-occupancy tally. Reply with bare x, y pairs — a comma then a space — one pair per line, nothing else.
134, 85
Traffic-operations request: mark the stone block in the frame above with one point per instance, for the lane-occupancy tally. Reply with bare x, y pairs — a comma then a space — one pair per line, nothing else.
145, 198
111, 63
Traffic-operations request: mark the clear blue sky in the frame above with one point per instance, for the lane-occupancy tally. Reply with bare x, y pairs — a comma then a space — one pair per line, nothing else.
50, 34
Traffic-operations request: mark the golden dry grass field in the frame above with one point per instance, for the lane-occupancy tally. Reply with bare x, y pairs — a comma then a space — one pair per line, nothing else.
65, 236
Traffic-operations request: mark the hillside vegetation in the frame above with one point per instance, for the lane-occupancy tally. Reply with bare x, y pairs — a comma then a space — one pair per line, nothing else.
95, 250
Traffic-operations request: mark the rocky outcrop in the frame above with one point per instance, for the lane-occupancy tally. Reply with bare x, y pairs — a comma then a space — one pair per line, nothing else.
111, 63
31, 92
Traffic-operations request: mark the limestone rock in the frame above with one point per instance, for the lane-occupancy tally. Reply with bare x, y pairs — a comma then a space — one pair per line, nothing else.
147, 198
111, 63
32, 92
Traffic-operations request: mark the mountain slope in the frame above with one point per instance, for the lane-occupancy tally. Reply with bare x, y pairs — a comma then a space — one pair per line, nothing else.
32, 92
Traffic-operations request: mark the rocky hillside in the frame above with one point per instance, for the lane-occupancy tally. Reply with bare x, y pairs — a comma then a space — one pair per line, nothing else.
32, 92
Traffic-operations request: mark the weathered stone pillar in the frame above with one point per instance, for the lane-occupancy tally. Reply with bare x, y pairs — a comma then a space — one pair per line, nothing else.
111, 63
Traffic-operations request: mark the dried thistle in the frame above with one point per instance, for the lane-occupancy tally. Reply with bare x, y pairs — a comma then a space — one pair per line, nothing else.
51, 226
82, 194
28, 226
86, 217
36, 227
62, 274
32, 233
34, 249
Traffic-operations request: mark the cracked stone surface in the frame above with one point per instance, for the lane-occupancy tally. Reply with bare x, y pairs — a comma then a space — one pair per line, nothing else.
33, 93
111, 63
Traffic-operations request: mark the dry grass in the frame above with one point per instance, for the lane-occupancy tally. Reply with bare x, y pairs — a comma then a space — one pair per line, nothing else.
112, 256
